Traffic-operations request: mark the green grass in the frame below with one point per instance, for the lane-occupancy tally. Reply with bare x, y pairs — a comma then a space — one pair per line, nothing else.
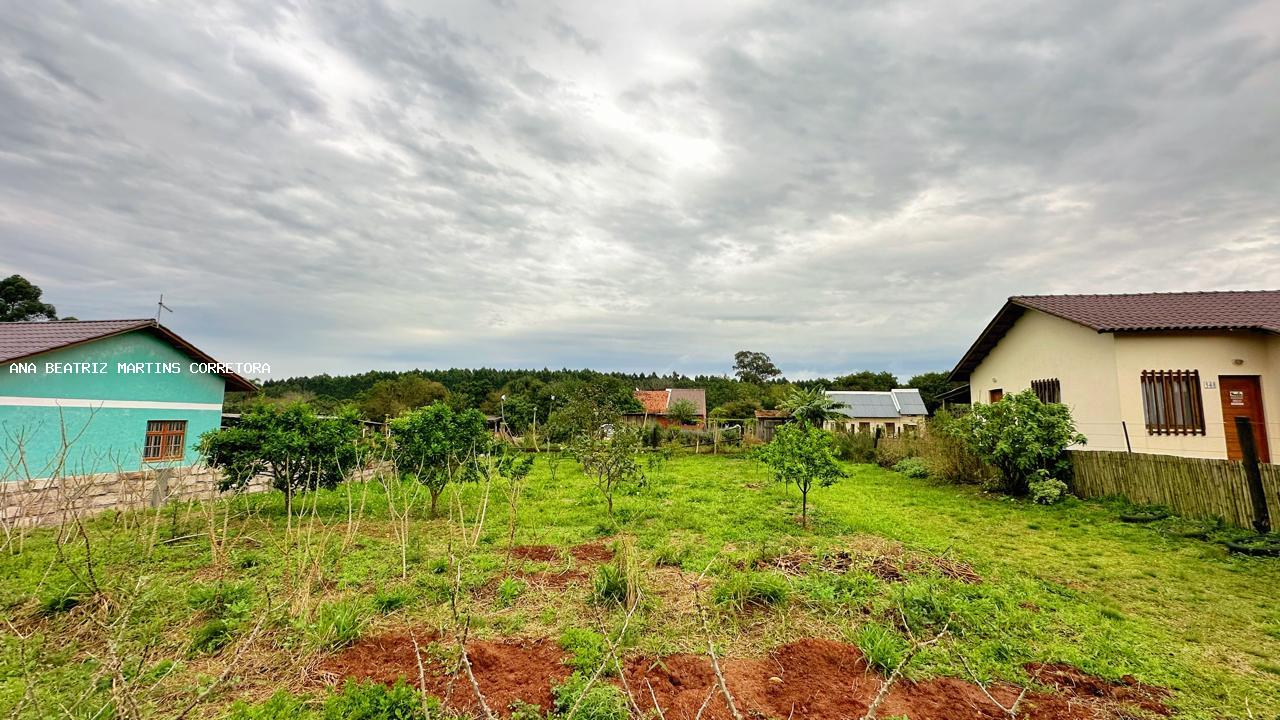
1067, 583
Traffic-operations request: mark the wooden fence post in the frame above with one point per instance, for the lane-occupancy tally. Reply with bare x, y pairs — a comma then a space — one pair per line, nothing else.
1253, 475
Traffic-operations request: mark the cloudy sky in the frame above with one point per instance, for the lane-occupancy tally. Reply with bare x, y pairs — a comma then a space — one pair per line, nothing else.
345, 186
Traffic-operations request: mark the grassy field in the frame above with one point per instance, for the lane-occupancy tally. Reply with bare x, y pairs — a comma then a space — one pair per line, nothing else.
204, 606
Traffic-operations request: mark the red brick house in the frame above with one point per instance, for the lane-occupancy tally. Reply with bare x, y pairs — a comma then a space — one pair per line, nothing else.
657, 402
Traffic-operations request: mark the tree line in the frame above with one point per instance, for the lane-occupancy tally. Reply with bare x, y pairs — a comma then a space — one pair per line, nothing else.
527, 397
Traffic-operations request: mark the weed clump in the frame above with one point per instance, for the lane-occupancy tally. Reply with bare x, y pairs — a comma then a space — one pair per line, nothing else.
883, 647
336, 625
912, 467
508, 590
587, 651
743, 590
601, 701
375, 701
62, 598
388, 601
218, 598
210, 636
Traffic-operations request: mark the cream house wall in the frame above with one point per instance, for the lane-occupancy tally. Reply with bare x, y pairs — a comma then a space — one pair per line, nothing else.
1041, 346
849, 424
1100, 377
1213, 355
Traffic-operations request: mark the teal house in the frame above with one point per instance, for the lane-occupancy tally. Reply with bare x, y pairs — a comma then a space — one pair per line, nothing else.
105, 396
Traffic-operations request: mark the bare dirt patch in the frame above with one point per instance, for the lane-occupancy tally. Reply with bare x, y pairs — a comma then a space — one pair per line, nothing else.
506, 670
890, 566
827, 679
596, 552
809, 678
1071, 681
535, 553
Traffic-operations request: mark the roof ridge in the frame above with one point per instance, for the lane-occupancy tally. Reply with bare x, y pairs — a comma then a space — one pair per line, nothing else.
1142, 294
54, 322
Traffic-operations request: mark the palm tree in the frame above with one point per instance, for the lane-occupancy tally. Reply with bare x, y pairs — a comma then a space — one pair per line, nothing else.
812, 407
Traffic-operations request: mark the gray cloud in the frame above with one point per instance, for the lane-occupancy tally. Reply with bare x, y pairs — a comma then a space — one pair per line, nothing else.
842, 185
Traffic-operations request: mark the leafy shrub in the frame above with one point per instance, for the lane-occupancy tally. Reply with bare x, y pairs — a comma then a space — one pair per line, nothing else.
883, 647
375, 701
587, 651
1046, 490
508, 590
62, 598
912, 467
210, 636
745, 589
336, 625
388, 601
602, 701
1020, 436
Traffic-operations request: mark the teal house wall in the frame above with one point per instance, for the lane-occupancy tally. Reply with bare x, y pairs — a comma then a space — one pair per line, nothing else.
77, 423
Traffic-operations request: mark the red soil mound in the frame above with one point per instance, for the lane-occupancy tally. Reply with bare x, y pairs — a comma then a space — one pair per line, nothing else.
827, 679
591, 552
506, 671
805, 679
536, 553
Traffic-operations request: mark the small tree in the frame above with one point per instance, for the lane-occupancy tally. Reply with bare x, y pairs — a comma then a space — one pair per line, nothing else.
610, 461
683, 411
1021, 437
301, 450
438, 445
812, 406
804, 455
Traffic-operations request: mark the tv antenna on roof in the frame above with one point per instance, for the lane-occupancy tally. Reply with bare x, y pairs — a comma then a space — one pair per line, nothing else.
161, 306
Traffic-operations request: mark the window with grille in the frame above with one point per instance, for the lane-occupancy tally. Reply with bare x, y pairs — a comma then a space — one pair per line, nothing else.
1048, 390
1172, 402
166, 440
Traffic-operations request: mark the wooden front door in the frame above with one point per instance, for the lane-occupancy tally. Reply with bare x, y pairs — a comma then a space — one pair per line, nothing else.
1242, 397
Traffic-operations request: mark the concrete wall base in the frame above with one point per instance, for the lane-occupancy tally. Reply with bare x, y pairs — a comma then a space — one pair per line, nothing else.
52, 501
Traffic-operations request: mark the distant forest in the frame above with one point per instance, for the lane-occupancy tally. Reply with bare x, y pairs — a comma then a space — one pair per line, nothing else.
531, 394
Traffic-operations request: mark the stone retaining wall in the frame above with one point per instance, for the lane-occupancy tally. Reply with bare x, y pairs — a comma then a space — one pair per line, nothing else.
52, 501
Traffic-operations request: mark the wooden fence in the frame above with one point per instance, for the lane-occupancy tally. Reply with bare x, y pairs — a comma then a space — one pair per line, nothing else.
1191, 487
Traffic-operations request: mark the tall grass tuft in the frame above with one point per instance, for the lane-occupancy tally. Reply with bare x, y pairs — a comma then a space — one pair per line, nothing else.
336, 625
742, 590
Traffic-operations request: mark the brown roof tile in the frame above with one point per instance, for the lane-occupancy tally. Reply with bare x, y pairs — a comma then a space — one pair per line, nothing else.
1235, 310
654, 401
1249, 310
20, 340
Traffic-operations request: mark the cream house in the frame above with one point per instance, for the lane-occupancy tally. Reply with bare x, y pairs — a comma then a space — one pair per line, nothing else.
1163, 373
892, 412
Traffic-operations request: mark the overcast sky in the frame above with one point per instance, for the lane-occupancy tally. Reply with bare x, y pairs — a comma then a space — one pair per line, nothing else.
649, 187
